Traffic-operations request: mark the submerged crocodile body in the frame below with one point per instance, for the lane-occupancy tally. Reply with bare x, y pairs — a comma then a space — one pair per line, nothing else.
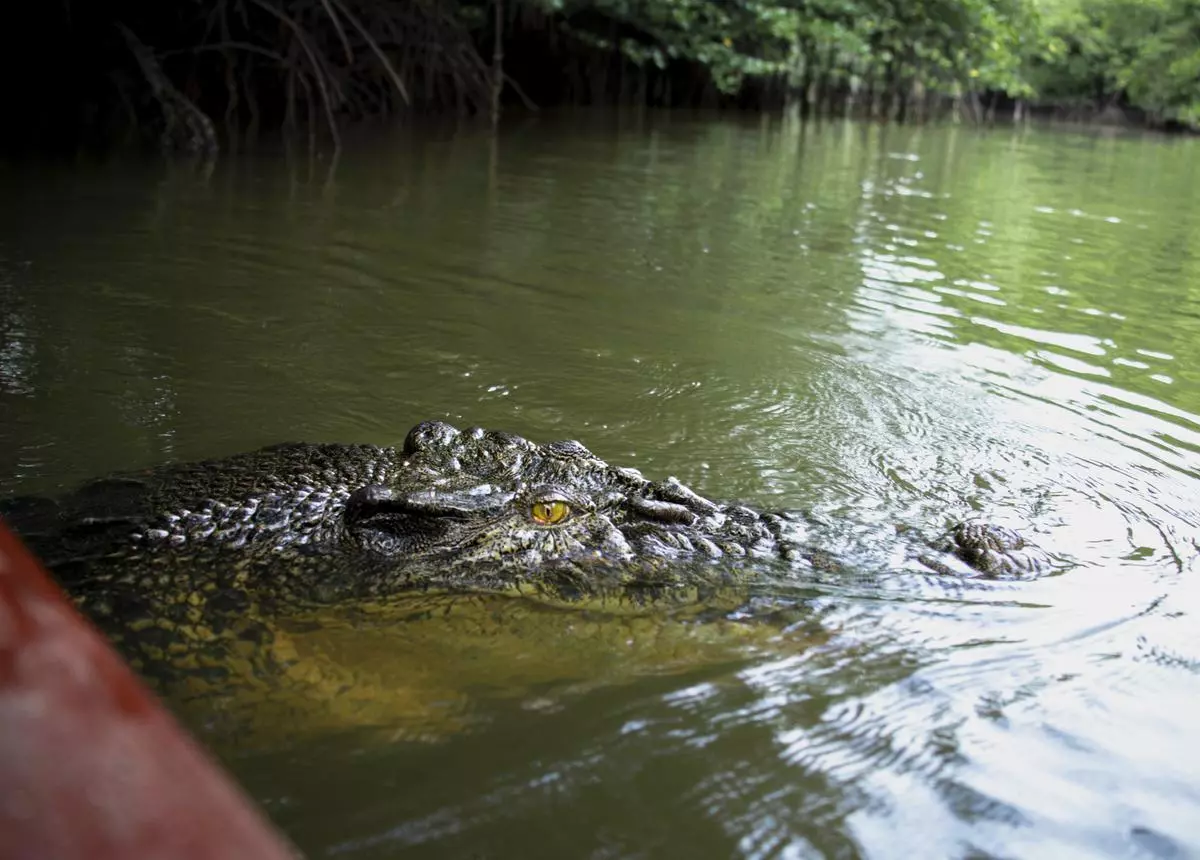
475, 508
230, 570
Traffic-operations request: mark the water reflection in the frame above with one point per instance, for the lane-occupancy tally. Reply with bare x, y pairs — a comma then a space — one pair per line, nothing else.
923, 734
881, 327
17, 361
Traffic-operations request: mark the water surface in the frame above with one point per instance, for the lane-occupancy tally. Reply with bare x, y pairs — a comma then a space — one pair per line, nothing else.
880, 326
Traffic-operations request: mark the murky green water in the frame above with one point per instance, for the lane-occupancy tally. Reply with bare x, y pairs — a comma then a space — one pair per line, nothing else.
877, 325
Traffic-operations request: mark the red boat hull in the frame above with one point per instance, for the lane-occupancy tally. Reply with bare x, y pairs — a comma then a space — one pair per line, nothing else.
92, 767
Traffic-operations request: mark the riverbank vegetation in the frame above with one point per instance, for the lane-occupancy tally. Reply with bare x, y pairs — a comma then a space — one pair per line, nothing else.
199, 74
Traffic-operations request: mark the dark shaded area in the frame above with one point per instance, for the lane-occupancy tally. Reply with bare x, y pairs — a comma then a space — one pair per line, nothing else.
123, 71
206, 75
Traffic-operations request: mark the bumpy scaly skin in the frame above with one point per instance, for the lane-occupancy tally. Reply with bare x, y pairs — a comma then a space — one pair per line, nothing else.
452, 508
994, 550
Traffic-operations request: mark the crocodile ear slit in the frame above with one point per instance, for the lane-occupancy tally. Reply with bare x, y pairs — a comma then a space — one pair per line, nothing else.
366, 501
663, 512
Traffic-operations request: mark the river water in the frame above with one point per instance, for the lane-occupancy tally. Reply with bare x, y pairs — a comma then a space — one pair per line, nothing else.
879, 326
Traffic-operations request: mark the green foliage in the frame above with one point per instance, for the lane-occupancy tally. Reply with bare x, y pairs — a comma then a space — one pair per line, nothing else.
733, 40
1145, 50
942, 44
1083, 51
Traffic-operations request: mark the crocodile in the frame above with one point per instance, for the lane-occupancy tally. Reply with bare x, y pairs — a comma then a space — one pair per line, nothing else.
457, 508
193, 567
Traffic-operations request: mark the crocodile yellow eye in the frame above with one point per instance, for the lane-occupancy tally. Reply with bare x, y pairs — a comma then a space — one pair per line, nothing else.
549, 513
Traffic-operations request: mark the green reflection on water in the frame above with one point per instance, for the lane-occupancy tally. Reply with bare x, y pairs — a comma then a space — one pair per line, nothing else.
625, 285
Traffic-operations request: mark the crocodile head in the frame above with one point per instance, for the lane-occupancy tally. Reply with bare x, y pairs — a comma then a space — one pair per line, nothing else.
483, 500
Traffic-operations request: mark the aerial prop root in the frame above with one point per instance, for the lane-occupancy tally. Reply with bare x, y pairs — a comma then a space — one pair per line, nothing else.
355, 59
